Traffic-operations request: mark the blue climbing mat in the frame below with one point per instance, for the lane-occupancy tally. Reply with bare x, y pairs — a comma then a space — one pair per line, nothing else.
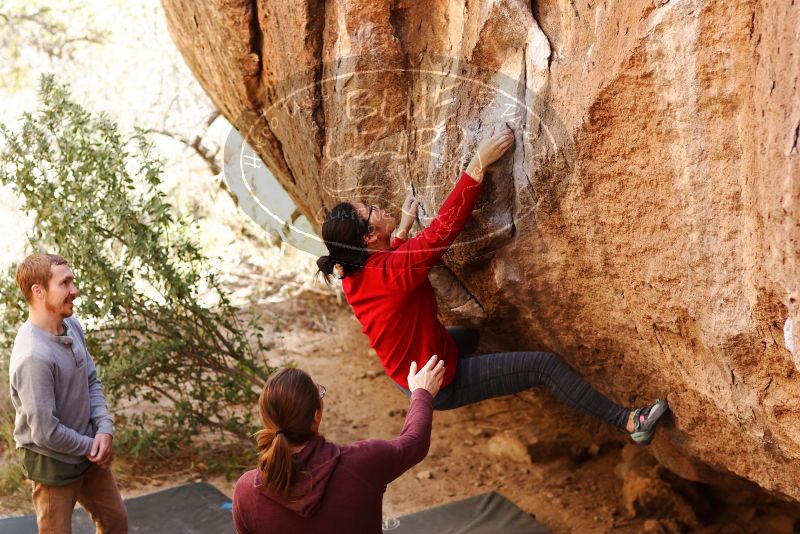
198, 508
202, 509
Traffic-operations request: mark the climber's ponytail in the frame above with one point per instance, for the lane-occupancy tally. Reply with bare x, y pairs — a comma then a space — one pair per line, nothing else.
327, 265
343, 232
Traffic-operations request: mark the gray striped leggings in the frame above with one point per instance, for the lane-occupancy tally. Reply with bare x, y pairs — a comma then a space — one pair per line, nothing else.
486, 376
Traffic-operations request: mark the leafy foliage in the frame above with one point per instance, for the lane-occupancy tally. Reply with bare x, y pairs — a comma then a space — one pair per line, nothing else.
159, 324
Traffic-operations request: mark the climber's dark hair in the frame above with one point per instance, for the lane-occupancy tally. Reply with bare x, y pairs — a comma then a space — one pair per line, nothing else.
343, 232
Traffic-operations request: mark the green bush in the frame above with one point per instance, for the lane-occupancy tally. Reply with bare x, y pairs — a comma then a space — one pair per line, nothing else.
159, 324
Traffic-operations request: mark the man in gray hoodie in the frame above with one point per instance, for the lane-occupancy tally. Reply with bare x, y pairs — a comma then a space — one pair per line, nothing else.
63, 430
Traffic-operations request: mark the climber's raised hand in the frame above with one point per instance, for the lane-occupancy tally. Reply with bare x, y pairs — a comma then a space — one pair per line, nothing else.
489, 150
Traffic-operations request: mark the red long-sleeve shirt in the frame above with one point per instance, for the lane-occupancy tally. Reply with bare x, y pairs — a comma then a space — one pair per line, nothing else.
337, 488
394, 300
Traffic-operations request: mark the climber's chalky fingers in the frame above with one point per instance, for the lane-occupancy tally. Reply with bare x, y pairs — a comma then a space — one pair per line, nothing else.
494, 145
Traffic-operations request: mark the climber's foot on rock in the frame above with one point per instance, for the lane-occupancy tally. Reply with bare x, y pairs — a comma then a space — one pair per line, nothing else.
645, 420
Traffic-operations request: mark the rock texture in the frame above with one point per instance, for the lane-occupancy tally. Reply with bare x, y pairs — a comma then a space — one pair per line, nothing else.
647, 224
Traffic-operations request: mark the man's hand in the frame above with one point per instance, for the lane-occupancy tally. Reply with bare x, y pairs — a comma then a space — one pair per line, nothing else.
489, 150
107, 463
102, 450
410, 205
428, 378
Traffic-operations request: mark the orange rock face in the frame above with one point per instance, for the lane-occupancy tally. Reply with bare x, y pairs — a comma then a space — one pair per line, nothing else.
647, 223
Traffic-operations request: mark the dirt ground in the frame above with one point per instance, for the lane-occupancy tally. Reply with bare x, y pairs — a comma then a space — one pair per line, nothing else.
564, 469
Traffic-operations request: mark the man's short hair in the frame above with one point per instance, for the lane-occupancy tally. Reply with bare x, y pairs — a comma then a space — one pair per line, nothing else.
35, 269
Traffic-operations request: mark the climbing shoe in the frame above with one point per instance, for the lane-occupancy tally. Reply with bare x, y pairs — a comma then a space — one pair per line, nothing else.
645, 420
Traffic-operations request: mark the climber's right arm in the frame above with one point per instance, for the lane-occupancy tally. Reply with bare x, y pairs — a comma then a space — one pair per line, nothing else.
410, 262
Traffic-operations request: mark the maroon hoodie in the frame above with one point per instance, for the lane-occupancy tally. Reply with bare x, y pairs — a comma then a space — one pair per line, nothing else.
338, 488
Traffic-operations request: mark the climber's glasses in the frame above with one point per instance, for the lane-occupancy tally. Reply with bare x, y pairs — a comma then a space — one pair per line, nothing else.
370, 228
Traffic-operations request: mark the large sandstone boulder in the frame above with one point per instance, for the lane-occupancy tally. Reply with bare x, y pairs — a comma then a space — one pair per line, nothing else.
647, 224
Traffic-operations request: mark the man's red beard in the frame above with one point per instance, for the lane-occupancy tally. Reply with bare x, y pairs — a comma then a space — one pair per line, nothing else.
61, 311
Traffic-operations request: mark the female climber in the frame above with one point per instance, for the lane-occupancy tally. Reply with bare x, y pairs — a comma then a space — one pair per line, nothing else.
386, 283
